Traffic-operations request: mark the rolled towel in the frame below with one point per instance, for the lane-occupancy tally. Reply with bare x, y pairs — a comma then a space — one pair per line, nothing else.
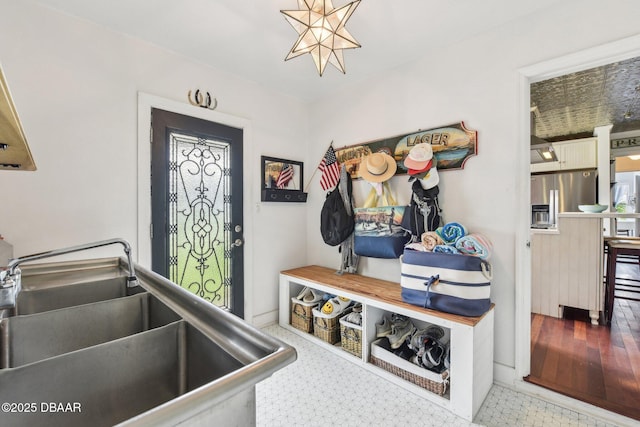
475, 244
451, 232
446, 249
430, 239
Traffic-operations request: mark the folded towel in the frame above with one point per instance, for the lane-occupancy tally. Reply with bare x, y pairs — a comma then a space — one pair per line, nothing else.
475, 244
430, 239
445, 249
451, 232
416, 246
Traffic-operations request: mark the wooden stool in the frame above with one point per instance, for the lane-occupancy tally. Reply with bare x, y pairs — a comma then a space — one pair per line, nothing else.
615, 247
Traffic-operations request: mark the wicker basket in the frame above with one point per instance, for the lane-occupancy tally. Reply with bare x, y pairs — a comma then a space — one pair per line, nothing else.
327, 328
429, 380
351, 337
301, 315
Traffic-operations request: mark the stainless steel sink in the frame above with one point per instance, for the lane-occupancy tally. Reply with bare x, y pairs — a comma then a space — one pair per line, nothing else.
37, 300
84, 349
29, 338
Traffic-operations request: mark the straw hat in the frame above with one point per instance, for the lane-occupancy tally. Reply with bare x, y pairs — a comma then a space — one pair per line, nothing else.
419, 156
378, 167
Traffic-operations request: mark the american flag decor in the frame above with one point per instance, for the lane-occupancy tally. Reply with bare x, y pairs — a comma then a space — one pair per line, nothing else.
330, 169
285, 176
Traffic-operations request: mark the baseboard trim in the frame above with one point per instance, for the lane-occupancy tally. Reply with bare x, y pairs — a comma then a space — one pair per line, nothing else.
265, 319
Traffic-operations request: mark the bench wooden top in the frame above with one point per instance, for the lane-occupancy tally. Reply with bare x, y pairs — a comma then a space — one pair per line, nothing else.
375, 289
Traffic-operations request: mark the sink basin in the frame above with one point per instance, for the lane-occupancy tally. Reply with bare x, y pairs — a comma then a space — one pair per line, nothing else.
122, 378
83, 345
28, 338
52, 298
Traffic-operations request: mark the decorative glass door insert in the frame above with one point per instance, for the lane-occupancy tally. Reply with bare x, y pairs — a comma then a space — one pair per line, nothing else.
199, 217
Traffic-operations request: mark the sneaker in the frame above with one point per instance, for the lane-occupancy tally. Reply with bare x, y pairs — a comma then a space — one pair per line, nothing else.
404, 352
421, 336
447, 357
383, 329
354, 317
399, 332
433, 355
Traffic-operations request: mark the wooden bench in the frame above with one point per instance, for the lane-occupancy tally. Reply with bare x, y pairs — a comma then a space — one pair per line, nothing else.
471, 338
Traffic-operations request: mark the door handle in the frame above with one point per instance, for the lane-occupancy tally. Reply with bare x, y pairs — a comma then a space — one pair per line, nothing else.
237, 242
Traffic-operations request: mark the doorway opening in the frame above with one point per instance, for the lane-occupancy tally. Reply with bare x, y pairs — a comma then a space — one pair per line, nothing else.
571, 348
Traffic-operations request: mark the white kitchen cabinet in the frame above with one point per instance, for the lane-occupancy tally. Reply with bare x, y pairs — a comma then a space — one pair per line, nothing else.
574, 154
545, 167
577, 154
470, 338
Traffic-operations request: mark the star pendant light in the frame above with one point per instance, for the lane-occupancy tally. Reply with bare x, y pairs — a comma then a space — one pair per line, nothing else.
321, 32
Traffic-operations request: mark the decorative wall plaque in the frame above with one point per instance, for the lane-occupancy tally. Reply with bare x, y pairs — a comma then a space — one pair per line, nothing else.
452, 146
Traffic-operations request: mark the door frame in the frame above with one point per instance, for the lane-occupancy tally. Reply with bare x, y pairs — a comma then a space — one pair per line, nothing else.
600, 55
142, 251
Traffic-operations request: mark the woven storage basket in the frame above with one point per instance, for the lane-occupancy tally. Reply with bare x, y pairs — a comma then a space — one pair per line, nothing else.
351, 337
327, 329
302, 315
429, 380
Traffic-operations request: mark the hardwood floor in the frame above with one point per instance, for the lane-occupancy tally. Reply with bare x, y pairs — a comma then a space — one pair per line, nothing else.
596, 364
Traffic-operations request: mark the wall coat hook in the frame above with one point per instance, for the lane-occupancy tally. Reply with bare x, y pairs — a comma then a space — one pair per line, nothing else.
201, 101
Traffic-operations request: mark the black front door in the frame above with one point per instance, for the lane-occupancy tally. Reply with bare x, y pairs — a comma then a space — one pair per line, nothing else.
196, 198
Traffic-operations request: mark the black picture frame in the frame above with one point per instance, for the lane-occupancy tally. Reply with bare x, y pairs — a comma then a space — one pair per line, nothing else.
291, 189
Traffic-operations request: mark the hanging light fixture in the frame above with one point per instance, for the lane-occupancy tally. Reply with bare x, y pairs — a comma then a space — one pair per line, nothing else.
321, 32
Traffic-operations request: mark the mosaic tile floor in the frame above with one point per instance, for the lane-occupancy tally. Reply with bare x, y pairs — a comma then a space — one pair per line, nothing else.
323, 389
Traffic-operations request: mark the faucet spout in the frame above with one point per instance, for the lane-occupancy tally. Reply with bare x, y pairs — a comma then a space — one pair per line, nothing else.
10, 279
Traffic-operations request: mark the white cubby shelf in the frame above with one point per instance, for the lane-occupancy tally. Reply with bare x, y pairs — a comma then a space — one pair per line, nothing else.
470, 338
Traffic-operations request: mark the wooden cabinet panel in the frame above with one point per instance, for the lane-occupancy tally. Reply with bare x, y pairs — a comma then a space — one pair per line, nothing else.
566, 267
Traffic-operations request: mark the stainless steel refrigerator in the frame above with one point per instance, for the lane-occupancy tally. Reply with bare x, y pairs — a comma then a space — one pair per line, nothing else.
564, 191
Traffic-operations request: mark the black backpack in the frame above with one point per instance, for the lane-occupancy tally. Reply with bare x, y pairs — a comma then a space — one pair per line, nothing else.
424, 211
336, 224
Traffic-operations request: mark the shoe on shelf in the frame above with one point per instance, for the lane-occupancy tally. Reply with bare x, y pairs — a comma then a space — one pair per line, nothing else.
404, 351
420, 337
335, 306
354, 317
309, 295
384, 328
433, 355
447, 356
399, 319
399, 332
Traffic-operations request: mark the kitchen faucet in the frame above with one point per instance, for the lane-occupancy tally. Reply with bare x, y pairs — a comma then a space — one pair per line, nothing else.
10, 279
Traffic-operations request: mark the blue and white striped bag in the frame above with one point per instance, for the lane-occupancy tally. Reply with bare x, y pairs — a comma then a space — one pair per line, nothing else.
452, 283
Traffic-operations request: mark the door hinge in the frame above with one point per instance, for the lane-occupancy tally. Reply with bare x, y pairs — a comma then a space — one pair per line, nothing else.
151, 230
151, 135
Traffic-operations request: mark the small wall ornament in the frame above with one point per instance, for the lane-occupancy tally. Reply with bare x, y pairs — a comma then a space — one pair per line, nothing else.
200, 100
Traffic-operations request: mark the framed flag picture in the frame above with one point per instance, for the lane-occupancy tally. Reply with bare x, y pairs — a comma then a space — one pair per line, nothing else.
282, 180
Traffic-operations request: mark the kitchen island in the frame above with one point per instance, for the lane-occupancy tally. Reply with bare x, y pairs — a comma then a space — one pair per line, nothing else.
567, 264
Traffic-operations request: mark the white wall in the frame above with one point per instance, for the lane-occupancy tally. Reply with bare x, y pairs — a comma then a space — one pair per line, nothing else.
475, 81
75, 86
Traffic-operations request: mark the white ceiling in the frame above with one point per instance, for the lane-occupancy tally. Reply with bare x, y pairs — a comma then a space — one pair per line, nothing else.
252, 38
